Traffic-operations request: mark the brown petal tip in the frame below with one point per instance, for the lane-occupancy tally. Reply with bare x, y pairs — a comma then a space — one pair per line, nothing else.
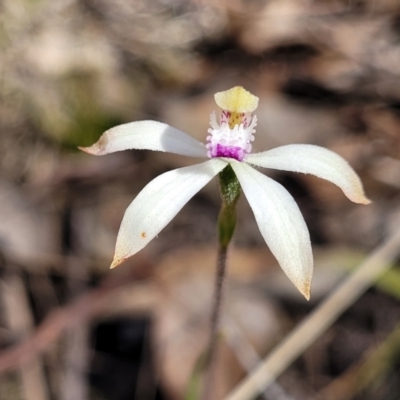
94, 150
117, 261
305, 290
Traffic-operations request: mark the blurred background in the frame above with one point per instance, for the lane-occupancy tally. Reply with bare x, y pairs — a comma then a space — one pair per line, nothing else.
327, 72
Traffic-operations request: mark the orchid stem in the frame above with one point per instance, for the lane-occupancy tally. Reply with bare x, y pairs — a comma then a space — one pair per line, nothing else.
212, 350
230, 192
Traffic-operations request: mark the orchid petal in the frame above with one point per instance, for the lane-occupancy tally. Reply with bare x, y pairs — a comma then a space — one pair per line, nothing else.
281, 224
158, 203
147, 135
316, 160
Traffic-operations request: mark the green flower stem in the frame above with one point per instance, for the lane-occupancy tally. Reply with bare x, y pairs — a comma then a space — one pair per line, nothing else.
230, 192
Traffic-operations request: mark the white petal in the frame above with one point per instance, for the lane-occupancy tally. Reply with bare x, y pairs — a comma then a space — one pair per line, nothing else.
281, 224
315, 160
158, 203
147, 135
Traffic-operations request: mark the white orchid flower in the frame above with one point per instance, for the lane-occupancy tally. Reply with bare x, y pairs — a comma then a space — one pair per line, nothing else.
229, 142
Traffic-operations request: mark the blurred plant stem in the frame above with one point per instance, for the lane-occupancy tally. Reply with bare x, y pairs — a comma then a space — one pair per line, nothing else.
230, 192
